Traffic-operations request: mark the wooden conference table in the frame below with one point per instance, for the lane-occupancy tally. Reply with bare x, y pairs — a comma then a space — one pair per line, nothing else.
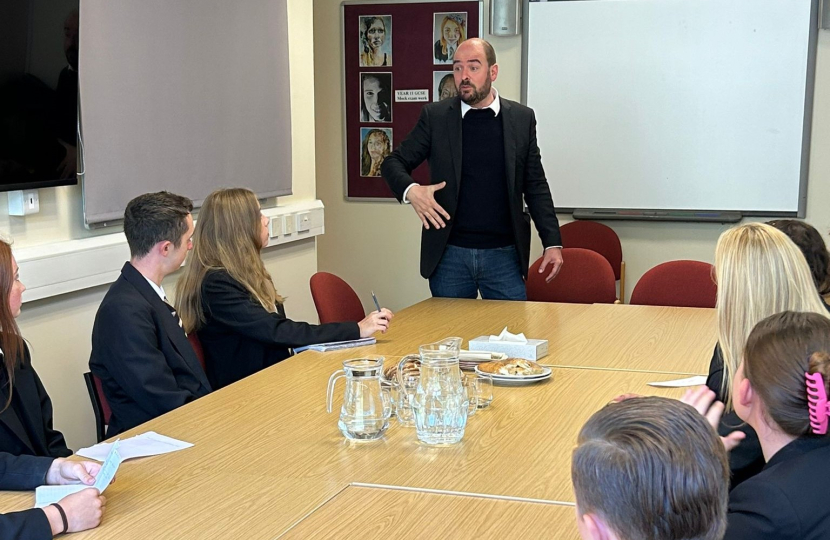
267, 456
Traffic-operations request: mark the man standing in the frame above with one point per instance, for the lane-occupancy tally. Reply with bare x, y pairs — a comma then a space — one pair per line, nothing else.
139, 350
483, 158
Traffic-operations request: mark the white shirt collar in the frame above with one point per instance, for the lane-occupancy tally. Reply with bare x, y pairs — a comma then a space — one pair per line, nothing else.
158, 288
496, 105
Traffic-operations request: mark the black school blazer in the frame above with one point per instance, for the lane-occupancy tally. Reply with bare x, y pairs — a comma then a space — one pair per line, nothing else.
35, 410
240, 337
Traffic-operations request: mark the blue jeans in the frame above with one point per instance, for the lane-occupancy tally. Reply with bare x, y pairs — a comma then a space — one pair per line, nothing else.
463, 273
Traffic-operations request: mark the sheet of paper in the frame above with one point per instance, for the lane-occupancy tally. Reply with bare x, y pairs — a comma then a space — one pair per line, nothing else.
146, 444
337, 345
46, 495
697, 380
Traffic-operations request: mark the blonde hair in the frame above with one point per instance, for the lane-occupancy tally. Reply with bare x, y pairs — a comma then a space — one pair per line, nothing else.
760, 272
227, 237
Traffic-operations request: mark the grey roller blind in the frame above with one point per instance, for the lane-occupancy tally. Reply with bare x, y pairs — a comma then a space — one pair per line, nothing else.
182, 95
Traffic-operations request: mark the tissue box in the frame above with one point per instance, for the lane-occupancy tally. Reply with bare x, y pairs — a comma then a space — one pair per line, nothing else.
534, 349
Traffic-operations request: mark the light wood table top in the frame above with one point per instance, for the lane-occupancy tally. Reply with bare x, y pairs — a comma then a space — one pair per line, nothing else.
645, 338
380, 513
267, 454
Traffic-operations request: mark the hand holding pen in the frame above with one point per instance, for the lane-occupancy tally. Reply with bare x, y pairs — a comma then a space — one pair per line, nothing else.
376, 321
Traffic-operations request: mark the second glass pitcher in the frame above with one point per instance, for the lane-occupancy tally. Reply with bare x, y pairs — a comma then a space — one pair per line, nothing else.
440, 402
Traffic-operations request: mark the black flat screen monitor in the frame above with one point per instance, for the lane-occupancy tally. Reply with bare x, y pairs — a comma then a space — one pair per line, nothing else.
38, 93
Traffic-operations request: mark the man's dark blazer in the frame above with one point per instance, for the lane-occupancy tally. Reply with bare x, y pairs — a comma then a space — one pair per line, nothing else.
142, 356
24, 473
240, 337
437, 138
31, 407
787, 500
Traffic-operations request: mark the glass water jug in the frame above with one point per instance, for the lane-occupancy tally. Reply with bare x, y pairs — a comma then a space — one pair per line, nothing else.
366, 408
440, 401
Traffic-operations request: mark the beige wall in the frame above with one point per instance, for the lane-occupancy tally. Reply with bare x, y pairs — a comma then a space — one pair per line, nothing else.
59, 329
376, 245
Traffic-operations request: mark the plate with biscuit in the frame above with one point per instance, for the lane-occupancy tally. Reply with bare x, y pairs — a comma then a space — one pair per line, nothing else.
515, 371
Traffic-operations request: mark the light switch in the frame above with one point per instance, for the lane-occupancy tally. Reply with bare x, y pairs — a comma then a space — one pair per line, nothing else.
289, 224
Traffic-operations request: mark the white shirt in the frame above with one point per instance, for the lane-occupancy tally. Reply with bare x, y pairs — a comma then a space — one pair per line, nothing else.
158, 288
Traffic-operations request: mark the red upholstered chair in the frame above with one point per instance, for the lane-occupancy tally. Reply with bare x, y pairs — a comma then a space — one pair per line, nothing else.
677, 283
600, 238
197, 348
334, 299
99, 404
585, 278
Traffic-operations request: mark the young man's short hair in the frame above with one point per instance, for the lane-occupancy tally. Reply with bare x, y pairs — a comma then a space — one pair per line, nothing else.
652, 469
155, 217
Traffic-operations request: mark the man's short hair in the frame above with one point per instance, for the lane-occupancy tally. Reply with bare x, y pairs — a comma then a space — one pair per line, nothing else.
155, 217
652, 469
489, 52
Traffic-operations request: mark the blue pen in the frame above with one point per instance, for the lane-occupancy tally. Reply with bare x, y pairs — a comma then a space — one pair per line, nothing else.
375, 298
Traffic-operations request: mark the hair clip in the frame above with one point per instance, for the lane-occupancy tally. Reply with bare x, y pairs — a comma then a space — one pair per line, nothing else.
817, 400
458, 19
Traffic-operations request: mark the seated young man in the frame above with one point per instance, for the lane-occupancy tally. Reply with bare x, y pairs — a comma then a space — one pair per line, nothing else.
139, 350
650, 468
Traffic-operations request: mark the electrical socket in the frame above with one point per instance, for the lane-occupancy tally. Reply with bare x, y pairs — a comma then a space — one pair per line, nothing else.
23, 203
303, 221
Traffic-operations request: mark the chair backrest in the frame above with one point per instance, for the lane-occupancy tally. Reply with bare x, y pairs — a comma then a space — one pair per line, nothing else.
197, 348
100, 407
586, 278
596, 237
335, 300
677, 283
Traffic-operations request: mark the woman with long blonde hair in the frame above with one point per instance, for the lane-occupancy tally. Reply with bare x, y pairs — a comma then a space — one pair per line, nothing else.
759, 272
227, 297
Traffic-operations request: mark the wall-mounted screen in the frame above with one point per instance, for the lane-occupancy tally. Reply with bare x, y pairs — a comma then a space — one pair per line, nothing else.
38, 93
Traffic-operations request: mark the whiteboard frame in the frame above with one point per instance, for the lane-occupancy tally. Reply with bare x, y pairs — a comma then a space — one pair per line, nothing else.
807, 123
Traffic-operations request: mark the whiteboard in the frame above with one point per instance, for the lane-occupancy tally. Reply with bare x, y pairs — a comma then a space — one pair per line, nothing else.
673, 104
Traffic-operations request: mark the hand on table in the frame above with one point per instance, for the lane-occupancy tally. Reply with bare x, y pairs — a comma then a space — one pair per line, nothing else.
703, 400
376, 321
83, 510
423, 201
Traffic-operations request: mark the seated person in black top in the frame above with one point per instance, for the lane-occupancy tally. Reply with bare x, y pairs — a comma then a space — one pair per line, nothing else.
786, 360
25, 407
812, 245
226, 295
139, 350
759, 272
649, 468
76, 512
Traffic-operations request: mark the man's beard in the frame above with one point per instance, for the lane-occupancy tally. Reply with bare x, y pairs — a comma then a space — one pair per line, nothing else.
476, 96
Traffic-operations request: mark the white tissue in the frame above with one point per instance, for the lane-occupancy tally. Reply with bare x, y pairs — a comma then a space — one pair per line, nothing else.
507, 336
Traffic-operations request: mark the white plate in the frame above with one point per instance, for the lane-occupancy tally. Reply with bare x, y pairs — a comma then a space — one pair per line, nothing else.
520, 379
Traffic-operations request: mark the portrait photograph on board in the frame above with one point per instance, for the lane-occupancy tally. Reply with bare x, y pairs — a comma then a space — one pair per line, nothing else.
443, 86
449, 30
375, 97
375, 40
376, 144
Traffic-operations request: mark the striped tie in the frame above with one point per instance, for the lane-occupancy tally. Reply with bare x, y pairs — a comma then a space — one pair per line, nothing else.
176, 315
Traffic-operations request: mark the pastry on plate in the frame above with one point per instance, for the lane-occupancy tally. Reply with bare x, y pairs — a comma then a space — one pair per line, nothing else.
514, 367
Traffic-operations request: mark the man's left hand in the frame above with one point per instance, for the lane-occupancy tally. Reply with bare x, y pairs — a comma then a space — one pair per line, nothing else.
552, 258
